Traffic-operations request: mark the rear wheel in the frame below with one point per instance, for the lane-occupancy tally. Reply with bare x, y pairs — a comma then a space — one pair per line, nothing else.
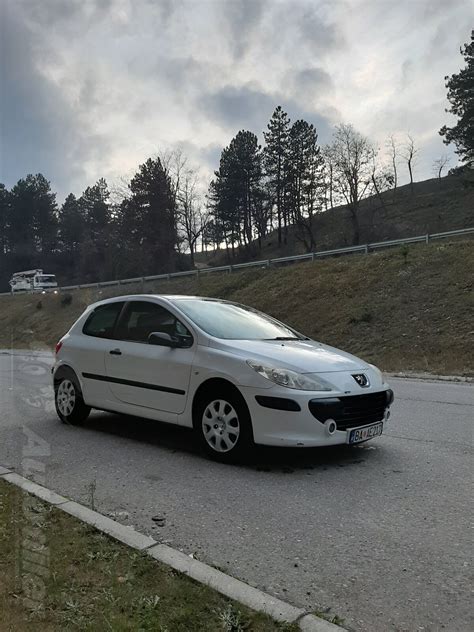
70, 406
223, 426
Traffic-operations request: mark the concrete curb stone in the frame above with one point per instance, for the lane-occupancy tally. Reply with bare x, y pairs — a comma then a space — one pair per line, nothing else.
229, 586
179, 561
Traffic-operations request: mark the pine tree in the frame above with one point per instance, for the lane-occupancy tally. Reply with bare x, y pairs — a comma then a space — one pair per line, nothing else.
153, 204
305, 180
236, 192
95, 208
45, 215
276, 164
461, 97
71, 224
33, 221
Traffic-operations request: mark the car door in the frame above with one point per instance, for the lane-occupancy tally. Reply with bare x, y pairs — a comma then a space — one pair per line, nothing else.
89, 348
147, 375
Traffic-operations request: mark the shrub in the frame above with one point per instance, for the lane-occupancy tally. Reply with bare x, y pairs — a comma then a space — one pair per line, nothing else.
404, 251
364, 317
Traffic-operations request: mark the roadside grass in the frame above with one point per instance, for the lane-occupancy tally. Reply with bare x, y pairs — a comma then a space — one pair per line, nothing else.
327, 616
94, 583
406, 309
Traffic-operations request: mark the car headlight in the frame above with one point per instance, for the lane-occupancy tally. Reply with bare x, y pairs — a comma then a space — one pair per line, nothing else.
290, 379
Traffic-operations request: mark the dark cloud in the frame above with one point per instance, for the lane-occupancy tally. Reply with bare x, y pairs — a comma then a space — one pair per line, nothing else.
57, 13
242, 19
39, 131
236, 107
185, 72
48, 12
250, 107
309, 85
319, 34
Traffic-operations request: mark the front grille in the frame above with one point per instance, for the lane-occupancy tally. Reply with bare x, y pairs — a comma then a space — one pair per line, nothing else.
351, 411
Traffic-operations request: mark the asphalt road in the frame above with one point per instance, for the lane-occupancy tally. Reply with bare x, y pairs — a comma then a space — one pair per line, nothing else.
379, 534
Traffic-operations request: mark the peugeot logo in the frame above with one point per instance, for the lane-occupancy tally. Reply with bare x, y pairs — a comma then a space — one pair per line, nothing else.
361, 379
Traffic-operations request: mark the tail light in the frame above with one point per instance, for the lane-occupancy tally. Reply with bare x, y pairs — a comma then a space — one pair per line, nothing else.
58, 347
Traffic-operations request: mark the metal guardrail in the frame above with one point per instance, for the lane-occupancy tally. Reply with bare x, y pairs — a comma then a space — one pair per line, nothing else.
311, 256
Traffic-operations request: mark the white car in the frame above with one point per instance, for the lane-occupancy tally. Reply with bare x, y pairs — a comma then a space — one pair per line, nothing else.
235, 375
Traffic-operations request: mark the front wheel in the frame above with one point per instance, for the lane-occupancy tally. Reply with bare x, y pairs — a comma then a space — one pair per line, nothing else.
70, 406
223, 426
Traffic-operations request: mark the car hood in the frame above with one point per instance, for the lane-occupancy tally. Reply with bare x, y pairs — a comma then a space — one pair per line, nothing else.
305, 356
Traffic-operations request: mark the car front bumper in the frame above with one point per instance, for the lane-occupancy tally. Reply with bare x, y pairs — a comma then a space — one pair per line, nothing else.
288, 417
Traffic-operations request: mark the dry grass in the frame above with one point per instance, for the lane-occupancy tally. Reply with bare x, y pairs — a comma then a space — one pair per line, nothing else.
401, 309
94, 583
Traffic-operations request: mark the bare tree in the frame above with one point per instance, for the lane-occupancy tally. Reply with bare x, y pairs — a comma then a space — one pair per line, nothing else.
329, 170
439, 164
175, 164
353, 158
382, 178
410, 152
191, 219
393, 151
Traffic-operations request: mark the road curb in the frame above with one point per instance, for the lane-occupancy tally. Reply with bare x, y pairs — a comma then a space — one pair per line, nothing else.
221, 582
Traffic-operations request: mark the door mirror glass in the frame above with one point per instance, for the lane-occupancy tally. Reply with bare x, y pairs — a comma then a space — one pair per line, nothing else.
162, 340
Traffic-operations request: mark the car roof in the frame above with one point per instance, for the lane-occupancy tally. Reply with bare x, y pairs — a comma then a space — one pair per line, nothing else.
167, 297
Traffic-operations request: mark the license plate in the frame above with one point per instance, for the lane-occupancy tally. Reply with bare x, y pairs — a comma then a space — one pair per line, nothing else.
367, 432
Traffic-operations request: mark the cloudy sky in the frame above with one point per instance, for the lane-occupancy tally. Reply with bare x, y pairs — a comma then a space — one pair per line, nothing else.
91, 88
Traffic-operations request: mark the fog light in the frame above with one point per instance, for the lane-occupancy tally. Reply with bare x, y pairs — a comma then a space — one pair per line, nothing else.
330, 426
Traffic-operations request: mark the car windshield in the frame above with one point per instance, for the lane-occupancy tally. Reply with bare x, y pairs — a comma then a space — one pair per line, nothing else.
235, 322
50, 278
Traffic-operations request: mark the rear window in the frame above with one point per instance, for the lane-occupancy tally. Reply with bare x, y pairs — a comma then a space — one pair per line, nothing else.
101, 323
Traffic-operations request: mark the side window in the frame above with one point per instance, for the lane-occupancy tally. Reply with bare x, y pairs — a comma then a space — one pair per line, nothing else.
143, 318
101, 322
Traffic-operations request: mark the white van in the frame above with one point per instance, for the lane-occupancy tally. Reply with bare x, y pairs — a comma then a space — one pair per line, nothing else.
33, 281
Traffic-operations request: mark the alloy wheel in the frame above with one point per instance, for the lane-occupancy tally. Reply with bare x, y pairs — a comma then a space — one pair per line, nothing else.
66, 397
220, 425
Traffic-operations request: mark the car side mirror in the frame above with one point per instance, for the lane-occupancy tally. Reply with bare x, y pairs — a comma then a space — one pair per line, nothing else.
161, 339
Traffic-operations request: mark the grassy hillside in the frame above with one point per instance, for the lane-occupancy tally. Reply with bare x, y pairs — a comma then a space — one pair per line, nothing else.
402, 309
435, 206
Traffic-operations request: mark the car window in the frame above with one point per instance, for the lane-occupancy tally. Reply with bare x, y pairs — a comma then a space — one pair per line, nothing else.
101, 322
234, 322
142, 318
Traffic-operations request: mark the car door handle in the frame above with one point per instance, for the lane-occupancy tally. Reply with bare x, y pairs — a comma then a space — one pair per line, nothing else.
115, 352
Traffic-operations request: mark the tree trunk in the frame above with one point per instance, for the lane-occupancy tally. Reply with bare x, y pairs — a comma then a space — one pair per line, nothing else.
411, 176
355, 226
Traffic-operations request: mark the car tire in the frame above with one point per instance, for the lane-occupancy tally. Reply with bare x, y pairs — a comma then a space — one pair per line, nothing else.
223, 426
68, 400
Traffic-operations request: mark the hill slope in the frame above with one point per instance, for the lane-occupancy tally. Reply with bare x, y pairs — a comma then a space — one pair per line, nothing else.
402, 315
435, 206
